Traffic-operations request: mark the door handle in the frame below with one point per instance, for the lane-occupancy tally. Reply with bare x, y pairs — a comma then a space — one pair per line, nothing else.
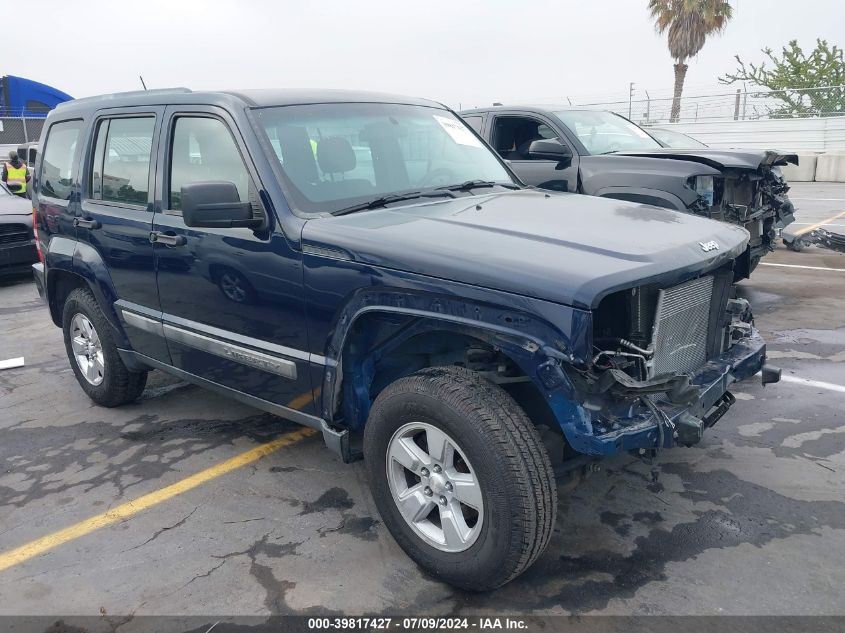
86, 224
157, 237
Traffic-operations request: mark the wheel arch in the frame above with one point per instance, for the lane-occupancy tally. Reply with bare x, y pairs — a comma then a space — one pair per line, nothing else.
380, 343
84, 269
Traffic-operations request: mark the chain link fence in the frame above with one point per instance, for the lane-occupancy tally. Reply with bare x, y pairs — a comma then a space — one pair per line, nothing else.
740, 104
15, 130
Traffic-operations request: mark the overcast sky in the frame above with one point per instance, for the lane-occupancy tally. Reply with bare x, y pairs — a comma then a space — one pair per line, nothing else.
460, 52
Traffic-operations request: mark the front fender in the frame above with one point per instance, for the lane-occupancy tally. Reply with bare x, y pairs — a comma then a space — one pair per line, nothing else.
535, 345
641, 195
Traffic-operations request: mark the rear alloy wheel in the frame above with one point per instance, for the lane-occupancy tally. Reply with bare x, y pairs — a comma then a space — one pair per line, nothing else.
93, 355
460, 477
87, 349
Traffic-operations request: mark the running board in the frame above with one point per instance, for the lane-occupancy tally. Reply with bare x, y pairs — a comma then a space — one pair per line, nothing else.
336, 440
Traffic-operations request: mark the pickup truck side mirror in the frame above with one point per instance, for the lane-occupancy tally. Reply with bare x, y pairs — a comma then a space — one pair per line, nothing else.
550, 149
216, 204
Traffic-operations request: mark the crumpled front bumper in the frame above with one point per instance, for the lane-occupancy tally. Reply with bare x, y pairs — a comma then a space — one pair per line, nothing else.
682, 424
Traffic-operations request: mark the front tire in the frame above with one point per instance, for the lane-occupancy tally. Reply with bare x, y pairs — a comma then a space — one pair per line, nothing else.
93, 353
460, 477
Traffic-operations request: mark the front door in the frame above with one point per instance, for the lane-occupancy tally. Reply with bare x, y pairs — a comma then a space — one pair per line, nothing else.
231, 298
511, 136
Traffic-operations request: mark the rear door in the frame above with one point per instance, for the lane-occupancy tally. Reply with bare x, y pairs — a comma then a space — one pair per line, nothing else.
231, 297
115, 217
57, 179
511, 133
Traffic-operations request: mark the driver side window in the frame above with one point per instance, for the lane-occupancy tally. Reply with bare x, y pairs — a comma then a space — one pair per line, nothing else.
203, 149
512, 136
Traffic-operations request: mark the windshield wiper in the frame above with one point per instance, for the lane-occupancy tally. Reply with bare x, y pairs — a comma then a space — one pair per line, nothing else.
477, 184
383, 201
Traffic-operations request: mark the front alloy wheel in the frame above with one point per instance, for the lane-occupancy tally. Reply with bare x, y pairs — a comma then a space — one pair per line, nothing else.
460, 476
434, 487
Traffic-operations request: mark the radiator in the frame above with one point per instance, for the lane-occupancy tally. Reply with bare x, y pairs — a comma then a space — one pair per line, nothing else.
680, 327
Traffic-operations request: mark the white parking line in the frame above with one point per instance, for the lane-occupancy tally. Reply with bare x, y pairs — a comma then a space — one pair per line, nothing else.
820, 199
838, 270
813, 383
812, 224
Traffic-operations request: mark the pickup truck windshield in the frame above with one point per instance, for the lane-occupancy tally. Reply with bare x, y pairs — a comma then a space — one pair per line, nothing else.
605, 132
339, 155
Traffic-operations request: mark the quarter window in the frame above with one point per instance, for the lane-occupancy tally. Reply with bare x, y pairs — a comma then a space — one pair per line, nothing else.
203, 150
474, 122
122, 152
57, 166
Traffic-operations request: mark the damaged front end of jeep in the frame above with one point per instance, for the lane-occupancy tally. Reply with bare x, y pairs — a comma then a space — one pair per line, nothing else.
662, 362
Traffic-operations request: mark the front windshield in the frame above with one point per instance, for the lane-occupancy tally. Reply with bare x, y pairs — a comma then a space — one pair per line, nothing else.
604, 132
676, 140
341, 154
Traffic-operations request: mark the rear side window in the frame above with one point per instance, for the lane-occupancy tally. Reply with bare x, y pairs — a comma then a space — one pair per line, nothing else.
57, 166
203, 150
121, 170
474, 122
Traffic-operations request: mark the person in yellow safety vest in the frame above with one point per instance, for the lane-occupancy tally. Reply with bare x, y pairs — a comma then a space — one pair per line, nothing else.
15, 175
313, 146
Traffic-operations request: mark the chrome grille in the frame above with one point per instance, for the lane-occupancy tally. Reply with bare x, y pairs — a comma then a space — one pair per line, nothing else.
680, 327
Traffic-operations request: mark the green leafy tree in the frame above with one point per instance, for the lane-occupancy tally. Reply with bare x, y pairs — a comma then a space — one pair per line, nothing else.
688, 23
805, 84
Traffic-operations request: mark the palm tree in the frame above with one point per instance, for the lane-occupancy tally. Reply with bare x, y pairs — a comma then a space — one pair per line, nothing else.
689, 22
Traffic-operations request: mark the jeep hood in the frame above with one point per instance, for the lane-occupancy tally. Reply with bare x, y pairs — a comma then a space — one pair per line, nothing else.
721, 158
566, 248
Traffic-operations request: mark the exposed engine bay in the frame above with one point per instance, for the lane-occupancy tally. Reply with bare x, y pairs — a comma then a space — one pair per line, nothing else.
756, 200
649, 341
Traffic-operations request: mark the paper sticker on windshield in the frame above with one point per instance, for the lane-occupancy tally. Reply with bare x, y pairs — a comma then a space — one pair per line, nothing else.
458, 131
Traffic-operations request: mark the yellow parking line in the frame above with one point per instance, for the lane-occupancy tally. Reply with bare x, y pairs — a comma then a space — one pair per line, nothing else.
813, 227
131, 508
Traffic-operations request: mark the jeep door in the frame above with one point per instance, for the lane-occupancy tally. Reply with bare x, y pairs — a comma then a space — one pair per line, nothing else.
231, 298
511, 134
115, 217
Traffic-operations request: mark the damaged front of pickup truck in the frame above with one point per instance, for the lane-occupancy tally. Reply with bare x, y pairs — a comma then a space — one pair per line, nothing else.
748, 189
603, 154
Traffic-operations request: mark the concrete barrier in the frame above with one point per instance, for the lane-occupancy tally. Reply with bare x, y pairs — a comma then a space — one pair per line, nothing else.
814, 134
804, 171
830, 167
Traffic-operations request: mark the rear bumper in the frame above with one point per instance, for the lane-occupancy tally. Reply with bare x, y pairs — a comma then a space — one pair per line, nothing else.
683, 424
38, 275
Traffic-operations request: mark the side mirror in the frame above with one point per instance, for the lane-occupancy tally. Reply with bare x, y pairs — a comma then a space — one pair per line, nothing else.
216, 205
549, 149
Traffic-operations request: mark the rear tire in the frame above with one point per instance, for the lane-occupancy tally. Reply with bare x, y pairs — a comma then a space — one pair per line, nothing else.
510, 516
93, 354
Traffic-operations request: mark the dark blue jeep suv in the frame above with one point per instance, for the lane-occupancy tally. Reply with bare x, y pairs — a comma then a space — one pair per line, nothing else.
364, 264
